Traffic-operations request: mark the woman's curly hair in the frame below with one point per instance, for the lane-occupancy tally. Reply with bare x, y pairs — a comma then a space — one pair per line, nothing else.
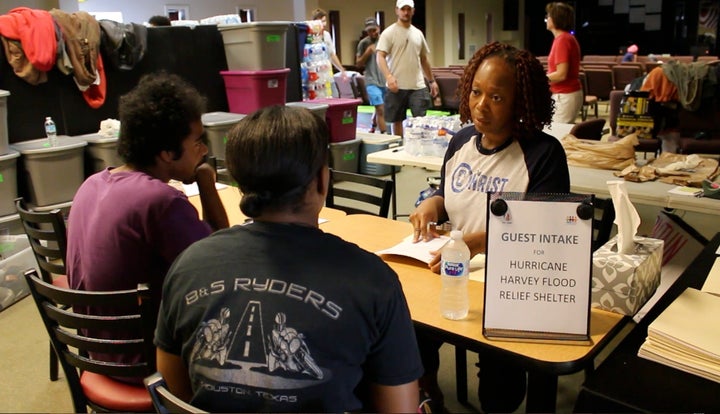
534, 106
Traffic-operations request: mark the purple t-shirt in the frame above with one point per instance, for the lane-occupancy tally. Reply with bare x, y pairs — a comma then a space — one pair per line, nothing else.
127, 228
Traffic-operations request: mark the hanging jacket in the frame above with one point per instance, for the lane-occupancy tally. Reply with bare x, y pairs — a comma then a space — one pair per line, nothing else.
81, 34
30, 42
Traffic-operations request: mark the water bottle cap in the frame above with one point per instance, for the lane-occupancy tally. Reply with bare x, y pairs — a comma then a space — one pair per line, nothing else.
456, 234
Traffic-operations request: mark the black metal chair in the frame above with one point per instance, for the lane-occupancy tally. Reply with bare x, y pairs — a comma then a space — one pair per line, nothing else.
164, 400
76, 335
48, 239
365, 195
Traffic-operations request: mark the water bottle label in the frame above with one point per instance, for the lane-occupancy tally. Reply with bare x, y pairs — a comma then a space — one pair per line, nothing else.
453, 268
50, 129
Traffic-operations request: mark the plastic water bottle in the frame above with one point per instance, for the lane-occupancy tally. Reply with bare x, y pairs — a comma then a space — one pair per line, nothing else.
51, 131
454, 270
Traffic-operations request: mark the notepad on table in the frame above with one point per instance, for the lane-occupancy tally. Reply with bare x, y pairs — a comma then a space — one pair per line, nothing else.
712, 283
687, 191
420, 250
686, 335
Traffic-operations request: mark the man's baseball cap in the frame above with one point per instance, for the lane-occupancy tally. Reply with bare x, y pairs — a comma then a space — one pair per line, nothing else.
370, 23
402, 3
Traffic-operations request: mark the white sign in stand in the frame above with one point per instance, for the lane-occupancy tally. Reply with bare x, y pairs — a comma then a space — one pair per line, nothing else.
538, 267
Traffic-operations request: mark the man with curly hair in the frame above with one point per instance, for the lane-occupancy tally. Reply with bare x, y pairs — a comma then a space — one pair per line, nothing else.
504, 93
126, 224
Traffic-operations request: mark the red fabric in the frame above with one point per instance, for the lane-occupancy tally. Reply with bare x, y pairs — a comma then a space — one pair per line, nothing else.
95, 94
115, 395
36, 31
565, 49
659, 86
61, 281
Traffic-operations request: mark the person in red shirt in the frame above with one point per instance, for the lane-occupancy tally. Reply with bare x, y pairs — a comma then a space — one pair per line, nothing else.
564, 63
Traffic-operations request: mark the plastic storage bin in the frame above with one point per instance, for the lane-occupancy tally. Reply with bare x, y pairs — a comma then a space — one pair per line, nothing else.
16, 257
51, 175
11, 224
374, 143
344, 156
101, 151
4, 139
217, 125
248, 91
8, 182
318, 108
341, 117
255, 45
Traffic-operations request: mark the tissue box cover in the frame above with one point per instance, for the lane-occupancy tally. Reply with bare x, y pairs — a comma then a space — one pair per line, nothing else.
622, 283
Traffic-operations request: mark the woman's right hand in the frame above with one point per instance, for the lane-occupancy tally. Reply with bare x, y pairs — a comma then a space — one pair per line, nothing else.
425, 217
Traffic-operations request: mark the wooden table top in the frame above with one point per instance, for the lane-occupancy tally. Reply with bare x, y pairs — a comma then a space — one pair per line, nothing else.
230, 197
422, 290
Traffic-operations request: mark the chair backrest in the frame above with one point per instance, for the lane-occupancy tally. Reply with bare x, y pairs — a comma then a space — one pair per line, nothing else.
591, 129
600, 82
164, 401
448, 85
360, 195
48, 238
75, 335
346, 87
625, 74
602, 222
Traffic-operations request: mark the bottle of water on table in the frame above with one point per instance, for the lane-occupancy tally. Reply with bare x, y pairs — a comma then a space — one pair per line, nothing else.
51, 131
454, 270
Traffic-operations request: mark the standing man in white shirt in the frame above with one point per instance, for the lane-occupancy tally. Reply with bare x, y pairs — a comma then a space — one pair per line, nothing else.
402, 56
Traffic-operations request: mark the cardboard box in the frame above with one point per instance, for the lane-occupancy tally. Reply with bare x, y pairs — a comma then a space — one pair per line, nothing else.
622, 283
628, 124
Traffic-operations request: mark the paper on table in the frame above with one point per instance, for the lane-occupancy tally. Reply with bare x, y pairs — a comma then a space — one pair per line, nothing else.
712, 283
193, 190
686, 191
686, 335
420, 250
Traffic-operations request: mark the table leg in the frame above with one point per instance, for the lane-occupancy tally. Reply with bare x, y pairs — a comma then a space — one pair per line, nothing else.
541, 393
461, 374
394, 194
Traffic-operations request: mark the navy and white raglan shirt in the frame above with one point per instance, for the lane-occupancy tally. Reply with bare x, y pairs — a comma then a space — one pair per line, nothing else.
285, 318
534, 165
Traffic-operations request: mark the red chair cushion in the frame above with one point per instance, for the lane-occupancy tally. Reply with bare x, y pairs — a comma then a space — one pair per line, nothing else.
115, 395
62, 282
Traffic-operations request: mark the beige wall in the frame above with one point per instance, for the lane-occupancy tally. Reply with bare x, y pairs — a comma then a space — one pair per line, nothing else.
441, 16
7, 5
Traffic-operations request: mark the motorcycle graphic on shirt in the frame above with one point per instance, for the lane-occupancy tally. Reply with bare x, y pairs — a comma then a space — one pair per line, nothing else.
287, 350
280, 359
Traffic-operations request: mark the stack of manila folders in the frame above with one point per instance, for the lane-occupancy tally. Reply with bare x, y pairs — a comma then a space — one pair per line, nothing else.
686, 335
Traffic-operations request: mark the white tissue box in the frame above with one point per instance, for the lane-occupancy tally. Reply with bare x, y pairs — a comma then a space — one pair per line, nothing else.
622, 283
